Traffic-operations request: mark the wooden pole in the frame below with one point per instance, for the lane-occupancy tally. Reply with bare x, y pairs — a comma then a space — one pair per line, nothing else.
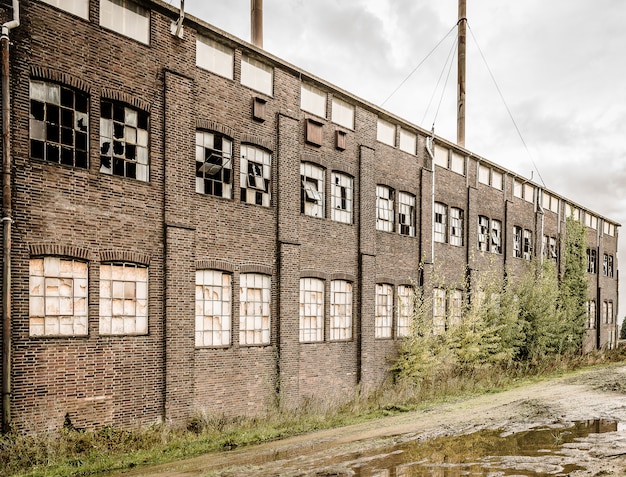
460, 123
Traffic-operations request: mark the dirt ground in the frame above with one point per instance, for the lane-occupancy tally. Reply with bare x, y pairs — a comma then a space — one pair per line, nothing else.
586, 396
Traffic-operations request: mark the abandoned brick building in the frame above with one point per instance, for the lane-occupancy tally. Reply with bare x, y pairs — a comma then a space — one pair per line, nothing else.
196, 224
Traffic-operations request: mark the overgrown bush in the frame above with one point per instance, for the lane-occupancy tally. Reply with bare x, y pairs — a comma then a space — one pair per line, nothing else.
506, 324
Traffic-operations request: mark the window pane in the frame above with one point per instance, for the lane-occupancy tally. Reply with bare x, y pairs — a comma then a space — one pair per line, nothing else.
256, 75
123, 299
408, 141
386, 133
76, 7
214, 56
127, 18
313, 100
343, 113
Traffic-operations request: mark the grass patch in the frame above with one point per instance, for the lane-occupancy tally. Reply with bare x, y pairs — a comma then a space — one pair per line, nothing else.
68, 452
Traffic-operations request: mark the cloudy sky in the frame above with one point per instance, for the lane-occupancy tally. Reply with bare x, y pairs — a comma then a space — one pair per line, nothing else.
559, 65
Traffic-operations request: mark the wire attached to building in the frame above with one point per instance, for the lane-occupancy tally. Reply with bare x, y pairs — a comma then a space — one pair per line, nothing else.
448, 64
508, 110
418, 66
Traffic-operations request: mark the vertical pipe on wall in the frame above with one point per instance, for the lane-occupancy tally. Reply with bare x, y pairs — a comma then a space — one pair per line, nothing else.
460, 132
6, 218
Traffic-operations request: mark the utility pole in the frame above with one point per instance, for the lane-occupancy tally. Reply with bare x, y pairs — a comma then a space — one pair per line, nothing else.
460, 114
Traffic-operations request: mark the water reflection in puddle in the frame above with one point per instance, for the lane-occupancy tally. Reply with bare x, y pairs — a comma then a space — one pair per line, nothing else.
533, 453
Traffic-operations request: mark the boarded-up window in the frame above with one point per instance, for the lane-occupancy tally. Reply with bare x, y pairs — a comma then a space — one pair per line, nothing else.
57, 297
408, 141
314, 132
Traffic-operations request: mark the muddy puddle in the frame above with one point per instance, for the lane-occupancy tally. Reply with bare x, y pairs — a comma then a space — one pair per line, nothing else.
540, 452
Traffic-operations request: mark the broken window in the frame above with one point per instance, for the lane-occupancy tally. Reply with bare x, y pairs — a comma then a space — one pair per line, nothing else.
123, 141
254, 309
528, 244
549, 247
312, 190
340, 310
59, 124
384, 208
607, 265
341, 190
384, 311
591, 314
440, 222
311, 310
517, 242
456, 226
483, 233
406, 214
342, 113
313, 100
57, 297
256, 167
214, 57
386, 133
496, 236
591, 260
127, 18
405, 310
439, 311
214, 164
123, 299
213, 308
77, 7
257, 75
455, 298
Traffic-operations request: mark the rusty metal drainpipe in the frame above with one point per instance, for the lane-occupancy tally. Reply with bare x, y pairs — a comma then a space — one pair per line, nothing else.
7, 218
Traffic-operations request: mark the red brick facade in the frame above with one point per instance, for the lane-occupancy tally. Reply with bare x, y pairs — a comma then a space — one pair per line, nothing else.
165, 225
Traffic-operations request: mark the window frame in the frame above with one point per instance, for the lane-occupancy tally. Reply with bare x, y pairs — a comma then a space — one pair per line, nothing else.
341, 308
115, 287
495, 243
311, 327
46, 317
484, 235
80, 8
439, 311
255, 327
408, 141
222, 180
257, 75
342, 113
386, 132
312, 190
313, 100
134, 140
213, 318
383, 319
592, 261
256, 170
527, 244
215, 57
342, 197
457, 228
406, 210
440, 222
517, 241
125, 11
385, 209
56, 125
405, 310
